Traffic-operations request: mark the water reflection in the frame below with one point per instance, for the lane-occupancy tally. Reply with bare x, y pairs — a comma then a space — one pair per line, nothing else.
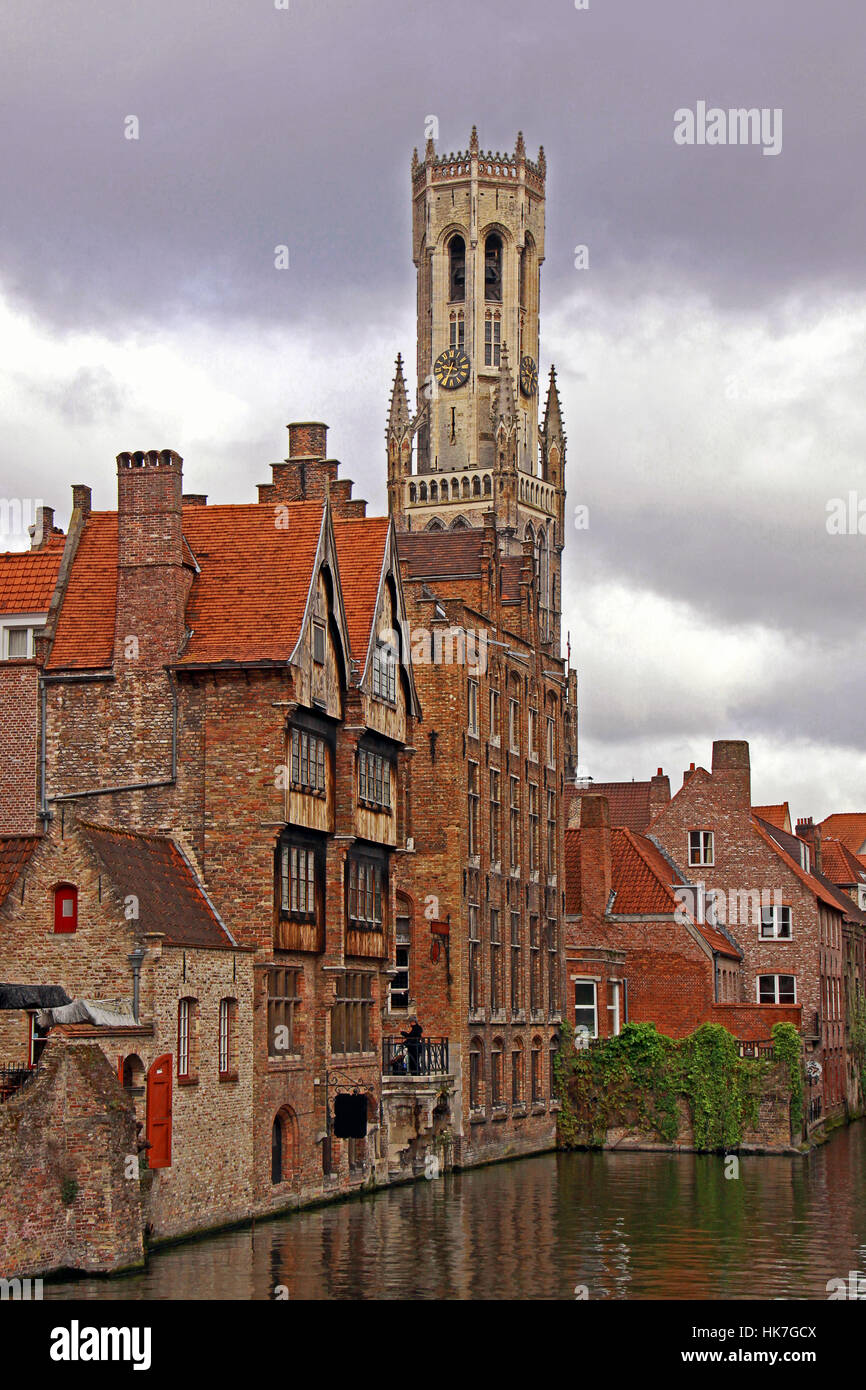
639, 1226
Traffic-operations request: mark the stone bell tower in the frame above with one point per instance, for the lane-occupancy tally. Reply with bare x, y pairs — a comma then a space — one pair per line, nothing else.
474, 444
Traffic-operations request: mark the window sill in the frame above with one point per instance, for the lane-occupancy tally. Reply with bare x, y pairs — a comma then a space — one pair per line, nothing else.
228, 1076
359, 1057
518, 1016
539, 1107
299, 790
518, 1112
187, 1081
498, 1016
494, 740
474, 861
499, 1113
292, 1062
496, 866
533, 757
477, 1117
477, 1016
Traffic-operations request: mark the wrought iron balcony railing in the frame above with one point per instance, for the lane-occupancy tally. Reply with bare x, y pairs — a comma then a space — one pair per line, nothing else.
415, 1056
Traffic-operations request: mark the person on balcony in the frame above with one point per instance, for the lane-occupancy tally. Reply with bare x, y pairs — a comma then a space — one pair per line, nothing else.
413, 1048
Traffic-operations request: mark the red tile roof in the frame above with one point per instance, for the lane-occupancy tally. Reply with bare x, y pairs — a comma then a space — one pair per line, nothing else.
170, 897
15, 850
360, 554
810, 880
512, 568
441, 554
84, 636
28, 577
629, 802
246, 604
847, 826
780, 816
840, 865
643, 881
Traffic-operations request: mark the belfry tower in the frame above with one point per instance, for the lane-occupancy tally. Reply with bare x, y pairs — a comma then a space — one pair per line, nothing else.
474, 446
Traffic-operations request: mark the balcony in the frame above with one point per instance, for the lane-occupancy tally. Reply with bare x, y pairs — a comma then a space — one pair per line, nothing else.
14, 1075
420, 1057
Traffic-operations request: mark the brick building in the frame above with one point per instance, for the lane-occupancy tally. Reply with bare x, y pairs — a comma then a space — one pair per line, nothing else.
476, 487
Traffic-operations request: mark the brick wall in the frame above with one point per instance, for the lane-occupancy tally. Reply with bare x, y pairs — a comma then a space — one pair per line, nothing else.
65, 1199
19, 747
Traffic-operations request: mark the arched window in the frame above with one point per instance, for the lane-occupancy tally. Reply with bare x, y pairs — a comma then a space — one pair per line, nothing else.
465, 487
535, 1080
434, 492
65, 908
457, 270
493, 268
413, 493
476, 1074
423, 492
131, 1072
553, 1053
283, 1145
497, 1085
487, 485
228, 1039
187, 1039
518, 1081
476, 486
460, 524
435, 525
455, 489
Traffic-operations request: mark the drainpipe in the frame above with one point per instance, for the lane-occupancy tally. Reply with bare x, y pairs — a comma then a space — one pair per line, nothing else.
135, 959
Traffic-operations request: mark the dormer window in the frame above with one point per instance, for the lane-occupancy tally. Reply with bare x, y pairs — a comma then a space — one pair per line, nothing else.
385, 673
65, 908
319, 643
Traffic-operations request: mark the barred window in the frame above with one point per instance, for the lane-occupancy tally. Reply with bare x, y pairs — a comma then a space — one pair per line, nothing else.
495, 821
494, 715
374, 779
552, 966
551, 833
496, 963
535, 1002
385, 672
533, 827
516, 964
352, 1013
284, 999
515, 822
473, 708
473, 808
365, 894
308, 761
298, 881
474, 958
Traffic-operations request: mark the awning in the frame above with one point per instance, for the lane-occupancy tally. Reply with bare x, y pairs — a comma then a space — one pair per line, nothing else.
104, 1013
32, 996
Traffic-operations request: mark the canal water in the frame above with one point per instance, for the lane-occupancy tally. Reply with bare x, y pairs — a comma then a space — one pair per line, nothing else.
596, 1225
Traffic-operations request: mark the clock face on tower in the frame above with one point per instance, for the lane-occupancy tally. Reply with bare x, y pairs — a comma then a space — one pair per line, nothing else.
451, 368
528, 376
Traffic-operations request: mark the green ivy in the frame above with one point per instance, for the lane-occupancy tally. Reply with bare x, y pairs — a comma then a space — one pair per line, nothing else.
642, 1079
789, 1048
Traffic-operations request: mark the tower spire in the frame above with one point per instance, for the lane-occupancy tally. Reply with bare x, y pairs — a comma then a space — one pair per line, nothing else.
504, 406
398, 413
552, 427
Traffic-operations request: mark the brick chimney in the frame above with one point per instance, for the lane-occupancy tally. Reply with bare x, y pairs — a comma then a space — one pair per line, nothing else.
40, 533
81, 499
731, 764
660, 792
811, 833
152, 583
308, 474
594, 854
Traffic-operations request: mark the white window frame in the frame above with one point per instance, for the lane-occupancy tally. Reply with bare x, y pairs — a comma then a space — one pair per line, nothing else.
473, 708
777, 976
777, 912
707, 842
585, 980
29, 622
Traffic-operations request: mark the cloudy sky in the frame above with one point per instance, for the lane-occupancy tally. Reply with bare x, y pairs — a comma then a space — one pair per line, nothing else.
711, 357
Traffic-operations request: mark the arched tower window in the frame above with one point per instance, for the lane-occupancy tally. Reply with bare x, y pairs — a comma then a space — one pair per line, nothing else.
493, 268
456, 270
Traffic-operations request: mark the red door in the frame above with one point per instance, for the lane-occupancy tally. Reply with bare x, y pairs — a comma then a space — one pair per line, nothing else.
159, 1112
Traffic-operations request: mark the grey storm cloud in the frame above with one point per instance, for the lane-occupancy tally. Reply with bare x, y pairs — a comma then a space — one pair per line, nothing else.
710, 413
262, 126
